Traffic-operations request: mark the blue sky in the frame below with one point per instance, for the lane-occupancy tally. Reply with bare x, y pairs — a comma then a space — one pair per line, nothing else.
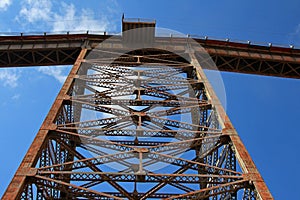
264, 110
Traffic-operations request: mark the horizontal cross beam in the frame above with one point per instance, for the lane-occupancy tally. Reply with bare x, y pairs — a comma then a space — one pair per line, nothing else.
47, 50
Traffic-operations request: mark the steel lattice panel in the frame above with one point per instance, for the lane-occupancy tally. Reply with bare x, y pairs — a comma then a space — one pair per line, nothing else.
136, 131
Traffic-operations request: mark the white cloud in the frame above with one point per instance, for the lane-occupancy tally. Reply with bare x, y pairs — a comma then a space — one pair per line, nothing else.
84, 20
60, 16
15, 97
35, 10
9, 77
4, 4
295, 37
57, 72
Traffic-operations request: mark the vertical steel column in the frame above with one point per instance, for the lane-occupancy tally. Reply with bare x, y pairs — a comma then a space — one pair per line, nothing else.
27, 167
248, 167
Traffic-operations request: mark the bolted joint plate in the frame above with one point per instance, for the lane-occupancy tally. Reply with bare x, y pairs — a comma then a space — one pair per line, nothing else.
27, 171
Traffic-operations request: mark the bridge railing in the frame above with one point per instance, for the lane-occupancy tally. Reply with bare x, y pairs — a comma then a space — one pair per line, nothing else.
101, 32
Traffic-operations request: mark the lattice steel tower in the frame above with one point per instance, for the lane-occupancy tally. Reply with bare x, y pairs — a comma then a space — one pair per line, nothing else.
137, 118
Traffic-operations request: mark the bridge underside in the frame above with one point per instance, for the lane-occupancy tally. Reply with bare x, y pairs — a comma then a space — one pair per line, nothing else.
145, 125
228, 56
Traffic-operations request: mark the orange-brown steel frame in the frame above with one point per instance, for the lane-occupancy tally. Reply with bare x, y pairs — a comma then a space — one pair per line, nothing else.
273, 61
27, 166
228, 56
245, 161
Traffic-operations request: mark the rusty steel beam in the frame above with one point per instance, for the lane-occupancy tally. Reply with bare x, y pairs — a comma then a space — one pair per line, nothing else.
135, 139
26, 168
16, 51
242, 155
155, 127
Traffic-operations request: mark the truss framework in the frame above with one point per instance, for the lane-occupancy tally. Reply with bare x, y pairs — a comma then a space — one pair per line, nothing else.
229, 56
137, 130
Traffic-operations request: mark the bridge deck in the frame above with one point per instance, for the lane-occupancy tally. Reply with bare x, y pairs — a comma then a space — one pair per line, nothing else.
45, 50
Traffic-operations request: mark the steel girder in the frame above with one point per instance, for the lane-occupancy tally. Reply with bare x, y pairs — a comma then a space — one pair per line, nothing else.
154, 130
229, 56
